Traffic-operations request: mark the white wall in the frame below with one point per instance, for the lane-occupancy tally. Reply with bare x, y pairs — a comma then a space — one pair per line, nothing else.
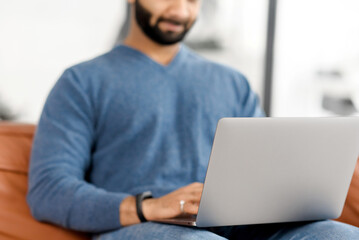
314, 36
40, 38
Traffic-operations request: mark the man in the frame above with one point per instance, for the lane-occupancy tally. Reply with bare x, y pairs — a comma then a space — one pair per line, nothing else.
142, 118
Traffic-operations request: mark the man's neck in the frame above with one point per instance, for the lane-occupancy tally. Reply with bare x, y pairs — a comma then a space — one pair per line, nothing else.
159, 53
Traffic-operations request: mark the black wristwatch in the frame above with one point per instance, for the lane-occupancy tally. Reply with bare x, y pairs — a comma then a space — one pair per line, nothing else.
139, 198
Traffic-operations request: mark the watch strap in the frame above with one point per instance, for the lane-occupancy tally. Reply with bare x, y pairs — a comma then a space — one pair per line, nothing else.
139, 198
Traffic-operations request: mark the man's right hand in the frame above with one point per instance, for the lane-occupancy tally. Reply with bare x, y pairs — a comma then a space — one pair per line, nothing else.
167, 206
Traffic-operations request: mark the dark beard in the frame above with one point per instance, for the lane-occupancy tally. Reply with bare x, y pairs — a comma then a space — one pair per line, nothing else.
143, 18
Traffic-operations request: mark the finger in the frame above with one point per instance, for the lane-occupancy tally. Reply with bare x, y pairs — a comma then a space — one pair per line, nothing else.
194, 185
192, 188
190, 208
196, 194
197, 190
190, 193
195, 198
197, 184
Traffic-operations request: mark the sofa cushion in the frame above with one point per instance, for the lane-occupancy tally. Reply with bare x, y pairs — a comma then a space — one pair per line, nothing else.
15, 218
350, 212
15, 145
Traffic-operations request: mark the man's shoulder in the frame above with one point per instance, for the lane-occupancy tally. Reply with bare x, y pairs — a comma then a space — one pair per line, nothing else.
99, 69
204, 64
90, 74
101, 62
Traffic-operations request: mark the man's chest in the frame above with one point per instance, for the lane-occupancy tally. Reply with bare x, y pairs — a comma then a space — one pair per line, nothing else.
165, 97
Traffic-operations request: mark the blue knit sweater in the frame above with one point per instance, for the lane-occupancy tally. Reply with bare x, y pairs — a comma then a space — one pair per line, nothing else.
122, 124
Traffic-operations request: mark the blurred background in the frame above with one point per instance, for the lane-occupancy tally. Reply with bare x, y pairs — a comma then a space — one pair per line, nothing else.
300, 56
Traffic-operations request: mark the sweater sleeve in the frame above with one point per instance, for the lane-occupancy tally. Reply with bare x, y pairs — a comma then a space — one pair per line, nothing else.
249, 101
61, 155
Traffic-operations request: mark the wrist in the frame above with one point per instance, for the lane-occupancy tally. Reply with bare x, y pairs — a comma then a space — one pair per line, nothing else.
128, 215
149, 208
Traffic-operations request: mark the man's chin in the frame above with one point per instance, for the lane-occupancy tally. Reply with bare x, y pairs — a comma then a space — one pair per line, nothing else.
173, 36
169, 38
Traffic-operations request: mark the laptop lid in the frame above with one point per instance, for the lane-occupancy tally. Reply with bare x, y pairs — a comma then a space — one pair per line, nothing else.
268, 170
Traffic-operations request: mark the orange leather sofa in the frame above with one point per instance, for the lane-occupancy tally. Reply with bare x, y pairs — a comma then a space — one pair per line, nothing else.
16, 221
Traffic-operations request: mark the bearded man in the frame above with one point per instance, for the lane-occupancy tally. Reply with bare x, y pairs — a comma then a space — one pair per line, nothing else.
142, 118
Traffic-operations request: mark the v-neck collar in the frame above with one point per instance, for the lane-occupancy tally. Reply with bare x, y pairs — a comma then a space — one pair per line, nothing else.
174, 62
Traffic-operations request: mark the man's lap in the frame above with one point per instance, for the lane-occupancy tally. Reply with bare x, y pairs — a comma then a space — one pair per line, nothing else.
305, 230
151, 230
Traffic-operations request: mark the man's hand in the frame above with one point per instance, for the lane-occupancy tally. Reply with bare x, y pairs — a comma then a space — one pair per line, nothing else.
167, 206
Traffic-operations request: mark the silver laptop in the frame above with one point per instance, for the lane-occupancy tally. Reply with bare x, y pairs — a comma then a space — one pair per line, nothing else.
270, 170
